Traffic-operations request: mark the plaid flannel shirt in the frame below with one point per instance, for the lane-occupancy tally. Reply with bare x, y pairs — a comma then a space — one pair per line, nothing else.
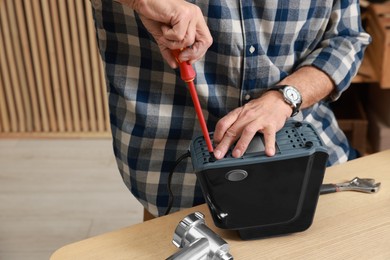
256, 44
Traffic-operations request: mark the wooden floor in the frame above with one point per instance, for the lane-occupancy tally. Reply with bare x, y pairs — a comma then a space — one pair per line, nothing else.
55, 192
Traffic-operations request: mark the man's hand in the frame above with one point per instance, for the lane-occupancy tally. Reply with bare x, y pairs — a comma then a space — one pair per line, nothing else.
174, 24
269, 113
266, 114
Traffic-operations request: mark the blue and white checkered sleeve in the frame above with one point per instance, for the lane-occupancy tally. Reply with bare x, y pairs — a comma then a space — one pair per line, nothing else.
340, 52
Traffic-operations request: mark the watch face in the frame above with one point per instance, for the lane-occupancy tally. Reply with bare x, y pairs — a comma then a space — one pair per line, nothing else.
292, 95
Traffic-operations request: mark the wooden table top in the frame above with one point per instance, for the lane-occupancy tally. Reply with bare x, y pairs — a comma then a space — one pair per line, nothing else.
347, 225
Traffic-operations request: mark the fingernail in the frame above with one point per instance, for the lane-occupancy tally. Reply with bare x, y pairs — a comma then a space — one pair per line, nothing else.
271, 151
237, 153
217, 154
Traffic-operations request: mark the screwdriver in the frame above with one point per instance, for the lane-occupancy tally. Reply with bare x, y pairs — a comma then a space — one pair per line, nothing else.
187, 74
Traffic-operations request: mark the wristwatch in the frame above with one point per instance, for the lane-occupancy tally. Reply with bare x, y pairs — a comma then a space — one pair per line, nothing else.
291, 96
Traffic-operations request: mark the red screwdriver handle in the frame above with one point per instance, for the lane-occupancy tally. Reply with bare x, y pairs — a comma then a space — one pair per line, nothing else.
187, 72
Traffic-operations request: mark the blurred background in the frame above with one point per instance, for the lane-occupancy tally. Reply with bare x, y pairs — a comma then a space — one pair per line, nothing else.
58, 178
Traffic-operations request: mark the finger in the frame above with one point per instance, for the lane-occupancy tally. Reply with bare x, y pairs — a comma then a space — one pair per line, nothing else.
168, 56
183, 34
175, 34
198, 49
196, 52
179, 21
224, 146
269, 140
225, 123
243, 142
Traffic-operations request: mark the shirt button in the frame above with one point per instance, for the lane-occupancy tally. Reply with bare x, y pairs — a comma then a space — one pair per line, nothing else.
252, 49
247, 97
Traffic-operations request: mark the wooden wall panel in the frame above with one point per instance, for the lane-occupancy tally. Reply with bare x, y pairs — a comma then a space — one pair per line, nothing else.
51, 75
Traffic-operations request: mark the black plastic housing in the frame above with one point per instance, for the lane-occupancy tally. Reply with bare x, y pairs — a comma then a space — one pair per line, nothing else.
262, 196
